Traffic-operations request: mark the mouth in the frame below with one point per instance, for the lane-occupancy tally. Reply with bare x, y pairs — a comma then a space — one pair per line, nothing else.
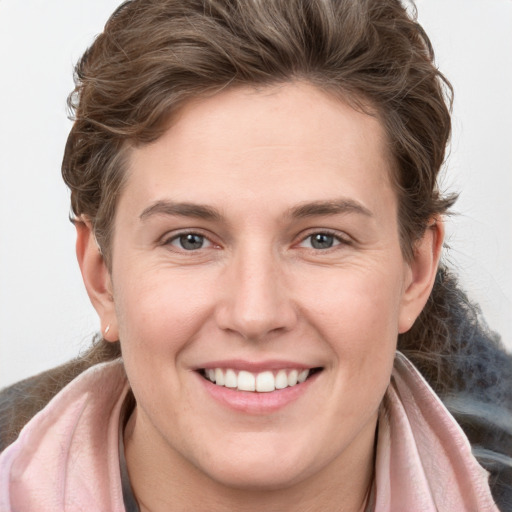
258, 382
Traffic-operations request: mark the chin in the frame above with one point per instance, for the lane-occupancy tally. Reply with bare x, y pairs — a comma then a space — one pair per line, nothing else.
257, 476
260, 465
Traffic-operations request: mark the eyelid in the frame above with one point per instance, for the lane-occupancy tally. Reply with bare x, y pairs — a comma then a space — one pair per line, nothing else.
341, 237
169, 237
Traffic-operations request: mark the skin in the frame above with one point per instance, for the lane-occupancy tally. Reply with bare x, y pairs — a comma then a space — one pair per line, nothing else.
258, 290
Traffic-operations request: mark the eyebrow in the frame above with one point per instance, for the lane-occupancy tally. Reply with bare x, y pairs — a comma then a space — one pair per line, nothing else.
331, 207
165, 207
304, 210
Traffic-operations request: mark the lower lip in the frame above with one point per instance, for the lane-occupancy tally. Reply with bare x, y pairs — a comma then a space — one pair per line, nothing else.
249, 402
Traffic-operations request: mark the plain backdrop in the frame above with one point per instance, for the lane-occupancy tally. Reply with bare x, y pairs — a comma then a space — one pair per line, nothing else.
45, 315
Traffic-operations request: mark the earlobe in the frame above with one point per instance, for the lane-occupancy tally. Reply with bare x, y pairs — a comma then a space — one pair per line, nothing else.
96, 278
421, 274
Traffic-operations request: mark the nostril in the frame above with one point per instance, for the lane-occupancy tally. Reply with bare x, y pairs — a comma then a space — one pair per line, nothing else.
256, 310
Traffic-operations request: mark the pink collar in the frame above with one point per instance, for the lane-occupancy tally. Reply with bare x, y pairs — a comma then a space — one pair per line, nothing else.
424, 460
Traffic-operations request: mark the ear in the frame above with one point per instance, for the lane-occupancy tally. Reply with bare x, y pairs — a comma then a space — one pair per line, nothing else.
96, 278
421, 274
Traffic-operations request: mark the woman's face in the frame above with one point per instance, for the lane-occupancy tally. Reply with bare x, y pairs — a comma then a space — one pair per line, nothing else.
255, 241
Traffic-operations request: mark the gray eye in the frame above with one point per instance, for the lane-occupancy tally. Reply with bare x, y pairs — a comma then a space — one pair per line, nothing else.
191, 241
322, 241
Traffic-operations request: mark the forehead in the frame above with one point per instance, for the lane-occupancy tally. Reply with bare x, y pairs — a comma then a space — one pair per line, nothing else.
292, 140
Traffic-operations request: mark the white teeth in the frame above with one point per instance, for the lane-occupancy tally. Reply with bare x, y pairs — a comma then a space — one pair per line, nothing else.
281, 379
219, 377
246, 381
303, 375
230, 381
263, 382
292, 377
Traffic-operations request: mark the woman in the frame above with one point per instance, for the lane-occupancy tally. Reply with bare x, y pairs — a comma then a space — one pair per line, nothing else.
258, 227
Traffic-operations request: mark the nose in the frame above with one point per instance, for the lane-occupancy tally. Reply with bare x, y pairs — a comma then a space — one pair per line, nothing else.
256, 301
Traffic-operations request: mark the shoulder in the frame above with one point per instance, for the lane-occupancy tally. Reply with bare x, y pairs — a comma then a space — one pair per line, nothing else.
75, 431
480, 397
482, 405
24, 399
471, 371
19, 403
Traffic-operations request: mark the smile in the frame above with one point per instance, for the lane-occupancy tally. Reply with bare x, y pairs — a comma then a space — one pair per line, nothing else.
262, 382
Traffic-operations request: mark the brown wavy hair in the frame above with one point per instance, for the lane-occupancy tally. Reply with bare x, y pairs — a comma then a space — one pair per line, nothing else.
155, 55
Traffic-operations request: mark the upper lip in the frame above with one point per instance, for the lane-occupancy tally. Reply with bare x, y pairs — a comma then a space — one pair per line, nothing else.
255, 366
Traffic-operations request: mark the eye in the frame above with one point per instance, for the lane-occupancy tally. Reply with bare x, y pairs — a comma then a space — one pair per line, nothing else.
189, 241
321, 241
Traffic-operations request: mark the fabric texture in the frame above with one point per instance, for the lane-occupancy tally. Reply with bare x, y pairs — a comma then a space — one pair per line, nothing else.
67, 457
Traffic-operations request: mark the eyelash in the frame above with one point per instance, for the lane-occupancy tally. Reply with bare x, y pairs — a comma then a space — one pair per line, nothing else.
176, 238
337, 238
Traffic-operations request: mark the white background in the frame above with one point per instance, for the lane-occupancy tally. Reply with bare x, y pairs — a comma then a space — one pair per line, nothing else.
45, 316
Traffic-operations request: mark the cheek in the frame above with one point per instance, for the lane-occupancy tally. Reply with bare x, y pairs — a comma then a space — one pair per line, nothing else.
357, 315
158, 319
355, 312
356, 308
157, 322
160, 306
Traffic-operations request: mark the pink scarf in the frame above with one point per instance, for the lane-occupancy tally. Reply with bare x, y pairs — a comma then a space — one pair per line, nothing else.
424, 460
67, 459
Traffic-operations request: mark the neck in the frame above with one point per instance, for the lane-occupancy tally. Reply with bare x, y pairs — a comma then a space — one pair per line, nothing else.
163, 480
